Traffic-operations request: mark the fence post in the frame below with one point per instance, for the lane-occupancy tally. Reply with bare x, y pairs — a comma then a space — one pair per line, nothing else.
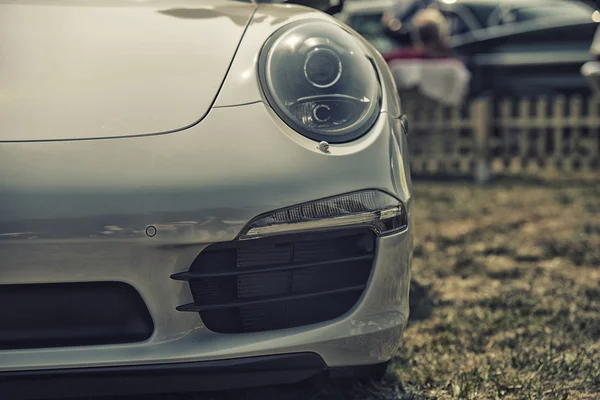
481, 119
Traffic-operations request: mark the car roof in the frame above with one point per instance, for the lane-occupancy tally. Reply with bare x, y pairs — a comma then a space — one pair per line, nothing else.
496, 3
482, 9
367, 6
515, 3
359, 6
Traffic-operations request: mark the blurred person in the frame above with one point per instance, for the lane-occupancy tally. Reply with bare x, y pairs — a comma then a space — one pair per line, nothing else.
431, 33
430, 37
428, 71
398, 19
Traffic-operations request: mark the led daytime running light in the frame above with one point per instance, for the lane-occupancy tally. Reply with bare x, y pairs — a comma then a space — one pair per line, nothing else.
375, 209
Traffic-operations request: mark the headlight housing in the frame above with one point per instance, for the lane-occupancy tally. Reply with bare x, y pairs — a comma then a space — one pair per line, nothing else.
375, 209
321, 81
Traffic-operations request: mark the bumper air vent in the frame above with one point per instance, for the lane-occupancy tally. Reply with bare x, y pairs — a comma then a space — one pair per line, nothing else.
45, 315
279, 282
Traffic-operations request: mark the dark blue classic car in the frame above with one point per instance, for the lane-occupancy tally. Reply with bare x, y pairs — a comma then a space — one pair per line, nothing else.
512, 47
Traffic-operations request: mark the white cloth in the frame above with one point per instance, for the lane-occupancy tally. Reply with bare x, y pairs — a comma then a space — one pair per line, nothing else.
444, 81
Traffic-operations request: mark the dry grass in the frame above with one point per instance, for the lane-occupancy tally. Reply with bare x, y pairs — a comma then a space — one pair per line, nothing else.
505, 298
509, 302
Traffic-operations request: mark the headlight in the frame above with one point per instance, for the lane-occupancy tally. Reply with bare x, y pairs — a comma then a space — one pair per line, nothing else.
321, 81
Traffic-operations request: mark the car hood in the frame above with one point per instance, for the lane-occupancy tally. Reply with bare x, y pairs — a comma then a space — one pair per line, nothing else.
103, 69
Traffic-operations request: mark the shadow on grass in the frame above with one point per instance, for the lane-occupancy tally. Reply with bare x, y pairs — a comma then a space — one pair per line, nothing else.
421, 302
388, 387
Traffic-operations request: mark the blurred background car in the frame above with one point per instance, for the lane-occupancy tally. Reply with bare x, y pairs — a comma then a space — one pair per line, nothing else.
428, 72
522, 48
513, 48
365, 17
591, 69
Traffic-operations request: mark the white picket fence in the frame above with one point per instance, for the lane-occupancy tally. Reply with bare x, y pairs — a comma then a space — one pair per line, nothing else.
486, 137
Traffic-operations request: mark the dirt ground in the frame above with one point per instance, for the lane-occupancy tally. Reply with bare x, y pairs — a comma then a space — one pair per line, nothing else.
505, 297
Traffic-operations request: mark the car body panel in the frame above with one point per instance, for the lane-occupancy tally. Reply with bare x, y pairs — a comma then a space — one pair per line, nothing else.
74, 210
168, 179
60, 224
242, 86
368, 334
58, 83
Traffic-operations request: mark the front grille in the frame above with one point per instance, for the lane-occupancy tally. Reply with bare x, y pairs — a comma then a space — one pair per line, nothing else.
283, 282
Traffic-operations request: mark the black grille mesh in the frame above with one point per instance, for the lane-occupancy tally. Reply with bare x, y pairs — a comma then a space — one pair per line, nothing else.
277, 283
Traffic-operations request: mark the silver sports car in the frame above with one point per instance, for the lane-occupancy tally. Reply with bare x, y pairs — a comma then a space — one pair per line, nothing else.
195, 195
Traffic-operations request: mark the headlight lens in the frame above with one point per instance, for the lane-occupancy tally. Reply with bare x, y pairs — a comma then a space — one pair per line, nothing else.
321, 81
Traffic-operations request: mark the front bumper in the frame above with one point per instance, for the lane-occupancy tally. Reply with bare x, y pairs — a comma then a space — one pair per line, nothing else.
195, 187
164, 378
591, 71
160, 378
368, 334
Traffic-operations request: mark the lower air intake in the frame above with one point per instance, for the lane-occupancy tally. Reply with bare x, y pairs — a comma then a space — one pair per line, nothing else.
279, 282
